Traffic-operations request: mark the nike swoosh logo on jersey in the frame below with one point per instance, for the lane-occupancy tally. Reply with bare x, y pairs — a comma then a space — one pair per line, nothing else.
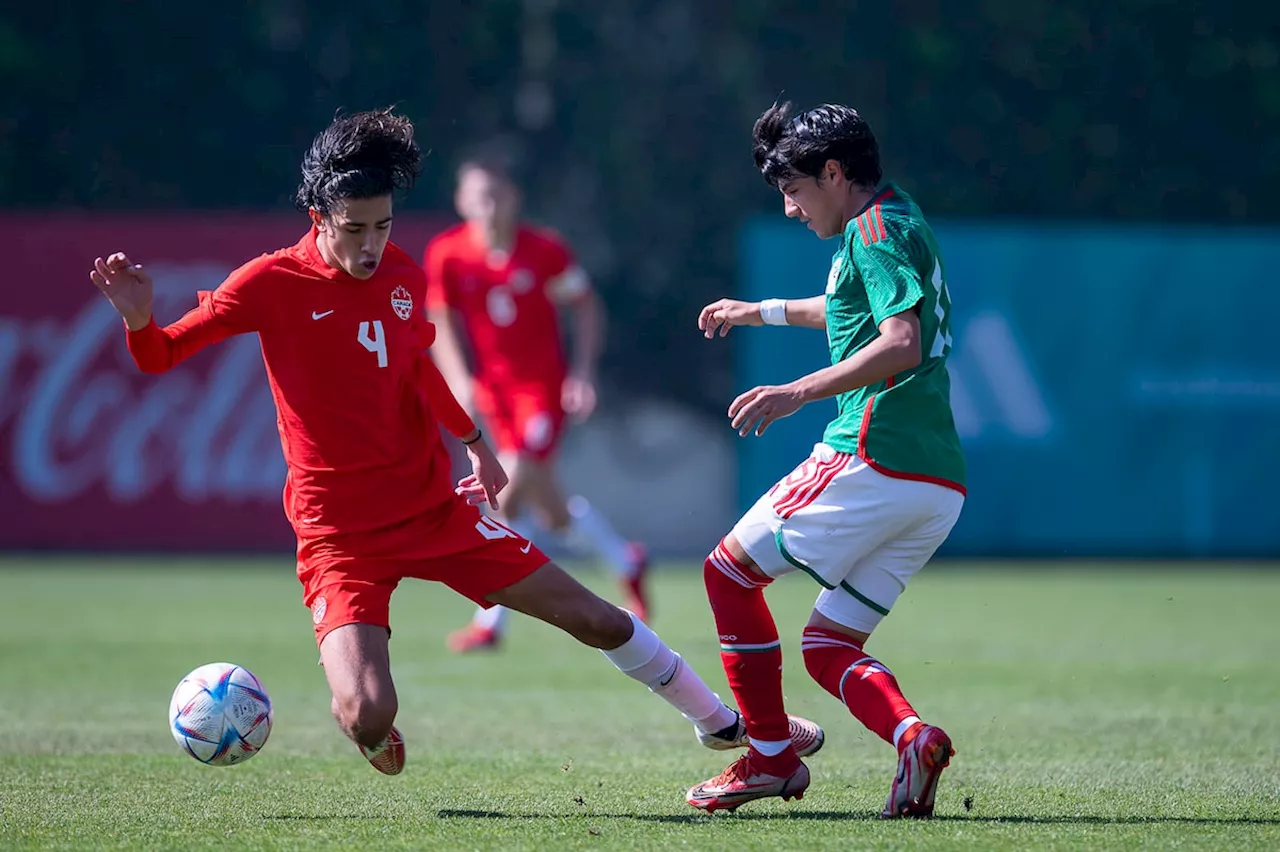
527, 545
319, 315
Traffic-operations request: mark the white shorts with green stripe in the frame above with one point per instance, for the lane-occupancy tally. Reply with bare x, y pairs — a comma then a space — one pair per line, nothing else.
860, 533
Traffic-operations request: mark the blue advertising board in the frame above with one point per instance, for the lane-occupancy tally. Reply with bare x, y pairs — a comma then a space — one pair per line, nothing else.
1117, 389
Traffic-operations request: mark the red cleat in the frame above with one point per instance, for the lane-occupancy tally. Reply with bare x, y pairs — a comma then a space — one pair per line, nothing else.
919, 767
387, 758
472, 638
744, 782
634, 586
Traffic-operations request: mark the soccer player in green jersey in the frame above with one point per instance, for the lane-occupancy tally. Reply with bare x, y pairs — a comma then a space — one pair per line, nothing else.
881, 490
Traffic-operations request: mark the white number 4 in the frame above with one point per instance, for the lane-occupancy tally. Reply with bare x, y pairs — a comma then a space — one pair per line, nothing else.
375, 343
492, 530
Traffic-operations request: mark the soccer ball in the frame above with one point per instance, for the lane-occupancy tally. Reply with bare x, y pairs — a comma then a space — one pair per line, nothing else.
220, 714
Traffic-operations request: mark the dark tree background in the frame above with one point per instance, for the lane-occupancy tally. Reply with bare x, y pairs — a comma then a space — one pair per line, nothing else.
634, 116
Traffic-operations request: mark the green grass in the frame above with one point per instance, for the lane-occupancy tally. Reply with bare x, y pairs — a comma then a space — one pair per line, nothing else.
1104, 707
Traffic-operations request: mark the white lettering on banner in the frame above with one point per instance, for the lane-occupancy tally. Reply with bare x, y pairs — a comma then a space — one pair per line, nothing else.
10, 348
992, 386
84, 421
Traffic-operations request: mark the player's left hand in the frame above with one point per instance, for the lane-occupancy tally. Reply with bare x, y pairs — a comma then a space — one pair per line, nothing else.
578, 397
487, 477
760, 406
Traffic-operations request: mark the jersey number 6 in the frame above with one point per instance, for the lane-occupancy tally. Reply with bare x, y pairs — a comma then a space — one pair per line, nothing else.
375, 342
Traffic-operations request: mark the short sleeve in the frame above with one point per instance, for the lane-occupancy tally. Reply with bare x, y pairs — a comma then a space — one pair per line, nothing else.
434, 265
566, 280
890, 277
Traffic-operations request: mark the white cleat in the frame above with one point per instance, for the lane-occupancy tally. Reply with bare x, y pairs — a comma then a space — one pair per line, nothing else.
919, 767
806, 737
387, 758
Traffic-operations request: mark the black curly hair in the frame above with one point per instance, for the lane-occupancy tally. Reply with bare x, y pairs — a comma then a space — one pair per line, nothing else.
363, 155
789, 146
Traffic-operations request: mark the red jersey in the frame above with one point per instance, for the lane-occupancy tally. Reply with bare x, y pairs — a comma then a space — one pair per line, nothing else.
356, 396
507, 303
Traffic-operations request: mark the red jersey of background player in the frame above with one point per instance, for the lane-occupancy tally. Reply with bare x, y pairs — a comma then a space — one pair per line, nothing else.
357, 396
507, 303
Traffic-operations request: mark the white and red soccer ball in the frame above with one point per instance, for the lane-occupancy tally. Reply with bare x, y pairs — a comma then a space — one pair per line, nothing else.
220, 714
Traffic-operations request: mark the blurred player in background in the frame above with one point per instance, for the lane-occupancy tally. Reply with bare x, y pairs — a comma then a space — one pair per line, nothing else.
882, 489
368, 490
494, 287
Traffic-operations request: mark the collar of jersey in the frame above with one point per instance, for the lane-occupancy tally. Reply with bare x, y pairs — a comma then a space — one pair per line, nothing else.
883, 191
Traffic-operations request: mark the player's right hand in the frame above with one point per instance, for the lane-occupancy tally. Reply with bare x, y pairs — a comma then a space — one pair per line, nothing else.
487, 477
127, 287
725, 314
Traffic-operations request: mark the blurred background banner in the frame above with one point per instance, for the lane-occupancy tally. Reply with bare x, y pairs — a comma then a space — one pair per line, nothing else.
1116, 387
1115, 379
96, 454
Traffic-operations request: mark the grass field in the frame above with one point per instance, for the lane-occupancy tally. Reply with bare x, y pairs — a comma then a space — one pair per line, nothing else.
1102, 707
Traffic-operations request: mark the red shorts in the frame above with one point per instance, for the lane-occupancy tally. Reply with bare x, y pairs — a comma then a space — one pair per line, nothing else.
348, 579
527, 420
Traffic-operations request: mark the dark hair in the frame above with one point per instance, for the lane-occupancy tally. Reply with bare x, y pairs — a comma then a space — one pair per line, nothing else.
499, 156
364, 155
787, 147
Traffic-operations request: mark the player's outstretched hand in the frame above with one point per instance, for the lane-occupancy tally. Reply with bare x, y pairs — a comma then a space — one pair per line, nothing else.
578, 397
127, 286
758, 407
724, 314
487, 477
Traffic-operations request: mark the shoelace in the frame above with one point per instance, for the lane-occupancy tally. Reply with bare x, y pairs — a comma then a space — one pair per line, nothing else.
740, 770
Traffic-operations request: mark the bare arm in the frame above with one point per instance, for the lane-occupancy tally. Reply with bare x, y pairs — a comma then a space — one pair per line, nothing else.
572, 289
724, 314
588, 334
808, 313
895, 350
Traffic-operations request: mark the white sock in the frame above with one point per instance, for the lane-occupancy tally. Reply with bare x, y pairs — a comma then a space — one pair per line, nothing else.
494, 618
903, 727
595, 528
646, 658
770, 748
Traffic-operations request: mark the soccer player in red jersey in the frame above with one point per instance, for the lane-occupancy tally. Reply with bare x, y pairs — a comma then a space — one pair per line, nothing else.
368, 490
495, 287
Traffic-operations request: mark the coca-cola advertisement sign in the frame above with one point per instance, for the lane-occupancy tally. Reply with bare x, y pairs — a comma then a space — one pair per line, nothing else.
94, 454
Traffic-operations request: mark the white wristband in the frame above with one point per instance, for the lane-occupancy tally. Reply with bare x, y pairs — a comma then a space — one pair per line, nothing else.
774, 311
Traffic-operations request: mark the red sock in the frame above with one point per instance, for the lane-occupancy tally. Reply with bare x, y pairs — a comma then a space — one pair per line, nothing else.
750, 651
870, 691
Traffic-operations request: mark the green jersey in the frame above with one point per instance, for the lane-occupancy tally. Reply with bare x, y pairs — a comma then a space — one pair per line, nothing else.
888, 263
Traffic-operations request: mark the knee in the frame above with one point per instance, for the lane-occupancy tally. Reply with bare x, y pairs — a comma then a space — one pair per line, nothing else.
825, 648
727, 574
366, 717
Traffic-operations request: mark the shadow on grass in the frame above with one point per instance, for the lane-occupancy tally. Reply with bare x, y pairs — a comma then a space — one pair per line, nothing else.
865, 816
323, 817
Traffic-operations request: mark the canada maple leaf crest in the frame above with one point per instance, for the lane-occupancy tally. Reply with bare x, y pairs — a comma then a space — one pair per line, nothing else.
402, 303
